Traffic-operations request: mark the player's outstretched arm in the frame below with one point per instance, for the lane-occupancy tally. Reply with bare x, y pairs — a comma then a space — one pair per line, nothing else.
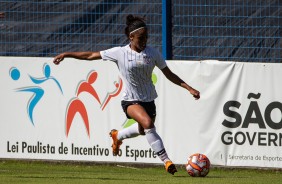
176, 80
77, 55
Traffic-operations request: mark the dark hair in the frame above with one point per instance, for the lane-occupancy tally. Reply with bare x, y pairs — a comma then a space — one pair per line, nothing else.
133, 23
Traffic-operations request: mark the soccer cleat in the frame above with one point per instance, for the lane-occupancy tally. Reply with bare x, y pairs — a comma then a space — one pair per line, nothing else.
170, 167
116, 143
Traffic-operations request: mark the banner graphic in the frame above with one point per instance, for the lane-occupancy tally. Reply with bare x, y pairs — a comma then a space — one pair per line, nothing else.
66, 112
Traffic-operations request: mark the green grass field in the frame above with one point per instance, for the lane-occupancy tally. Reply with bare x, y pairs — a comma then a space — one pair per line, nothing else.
64, 172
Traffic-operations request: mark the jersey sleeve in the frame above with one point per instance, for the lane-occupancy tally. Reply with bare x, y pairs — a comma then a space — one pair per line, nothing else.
160, 62
110, 54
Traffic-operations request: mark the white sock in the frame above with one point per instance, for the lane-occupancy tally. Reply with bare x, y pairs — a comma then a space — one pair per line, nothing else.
129, 132
156, 143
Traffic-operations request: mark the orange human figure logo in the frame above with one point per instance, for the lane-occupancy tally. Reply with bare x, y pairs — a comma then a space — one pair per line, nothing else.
77, 106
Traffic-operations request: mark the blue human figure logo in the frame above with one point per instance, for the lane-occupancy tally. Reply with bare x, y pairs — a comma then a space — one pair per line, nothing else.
37, 91
37, 95
47, 76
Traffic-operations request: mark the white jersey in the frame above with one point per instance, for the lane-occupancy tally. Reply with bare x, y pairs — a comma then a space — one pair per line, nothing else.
136, 70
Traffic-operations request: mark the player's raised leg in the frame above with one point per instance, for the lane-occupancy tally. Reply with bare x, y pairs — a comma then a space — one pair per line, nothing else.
139, 114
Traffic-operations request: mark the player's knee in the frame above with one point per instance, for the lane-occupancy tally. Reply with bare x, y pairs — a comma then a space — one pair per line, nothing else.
147, 123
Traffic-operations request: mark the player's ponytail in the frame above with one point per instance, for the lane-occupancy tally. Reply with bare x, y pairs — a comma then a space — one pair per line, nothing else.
133, 23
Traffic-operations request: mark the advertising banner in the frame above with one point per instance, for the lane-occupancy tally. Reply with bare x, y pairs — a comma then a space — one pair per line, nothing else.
237, 121
66, 112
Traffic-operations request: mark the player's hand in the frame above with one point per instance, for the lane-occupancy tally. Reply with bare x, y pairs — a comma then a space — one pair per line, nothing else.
195, 93
59, 58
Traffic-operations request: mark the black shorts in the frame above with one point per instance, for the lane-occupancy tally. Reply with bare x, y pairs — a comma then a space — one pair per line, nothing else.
150, 107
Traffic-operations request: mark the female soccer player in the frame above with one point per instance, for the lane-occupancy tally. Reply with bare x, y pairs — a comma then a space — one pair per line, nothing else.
136, 62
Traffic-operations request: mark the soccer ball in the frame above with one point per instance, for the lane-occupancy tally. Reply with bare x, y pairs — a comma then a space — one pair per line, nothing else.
198, 165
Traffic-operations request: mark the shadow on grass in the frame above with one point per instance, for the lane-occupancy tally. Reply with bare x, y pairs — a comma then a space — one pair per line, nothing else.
209, 177
83, 178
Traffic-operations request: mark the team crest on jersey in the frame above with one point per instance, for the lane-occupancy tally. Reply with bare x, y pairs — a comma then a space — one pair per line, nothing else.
147, 59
